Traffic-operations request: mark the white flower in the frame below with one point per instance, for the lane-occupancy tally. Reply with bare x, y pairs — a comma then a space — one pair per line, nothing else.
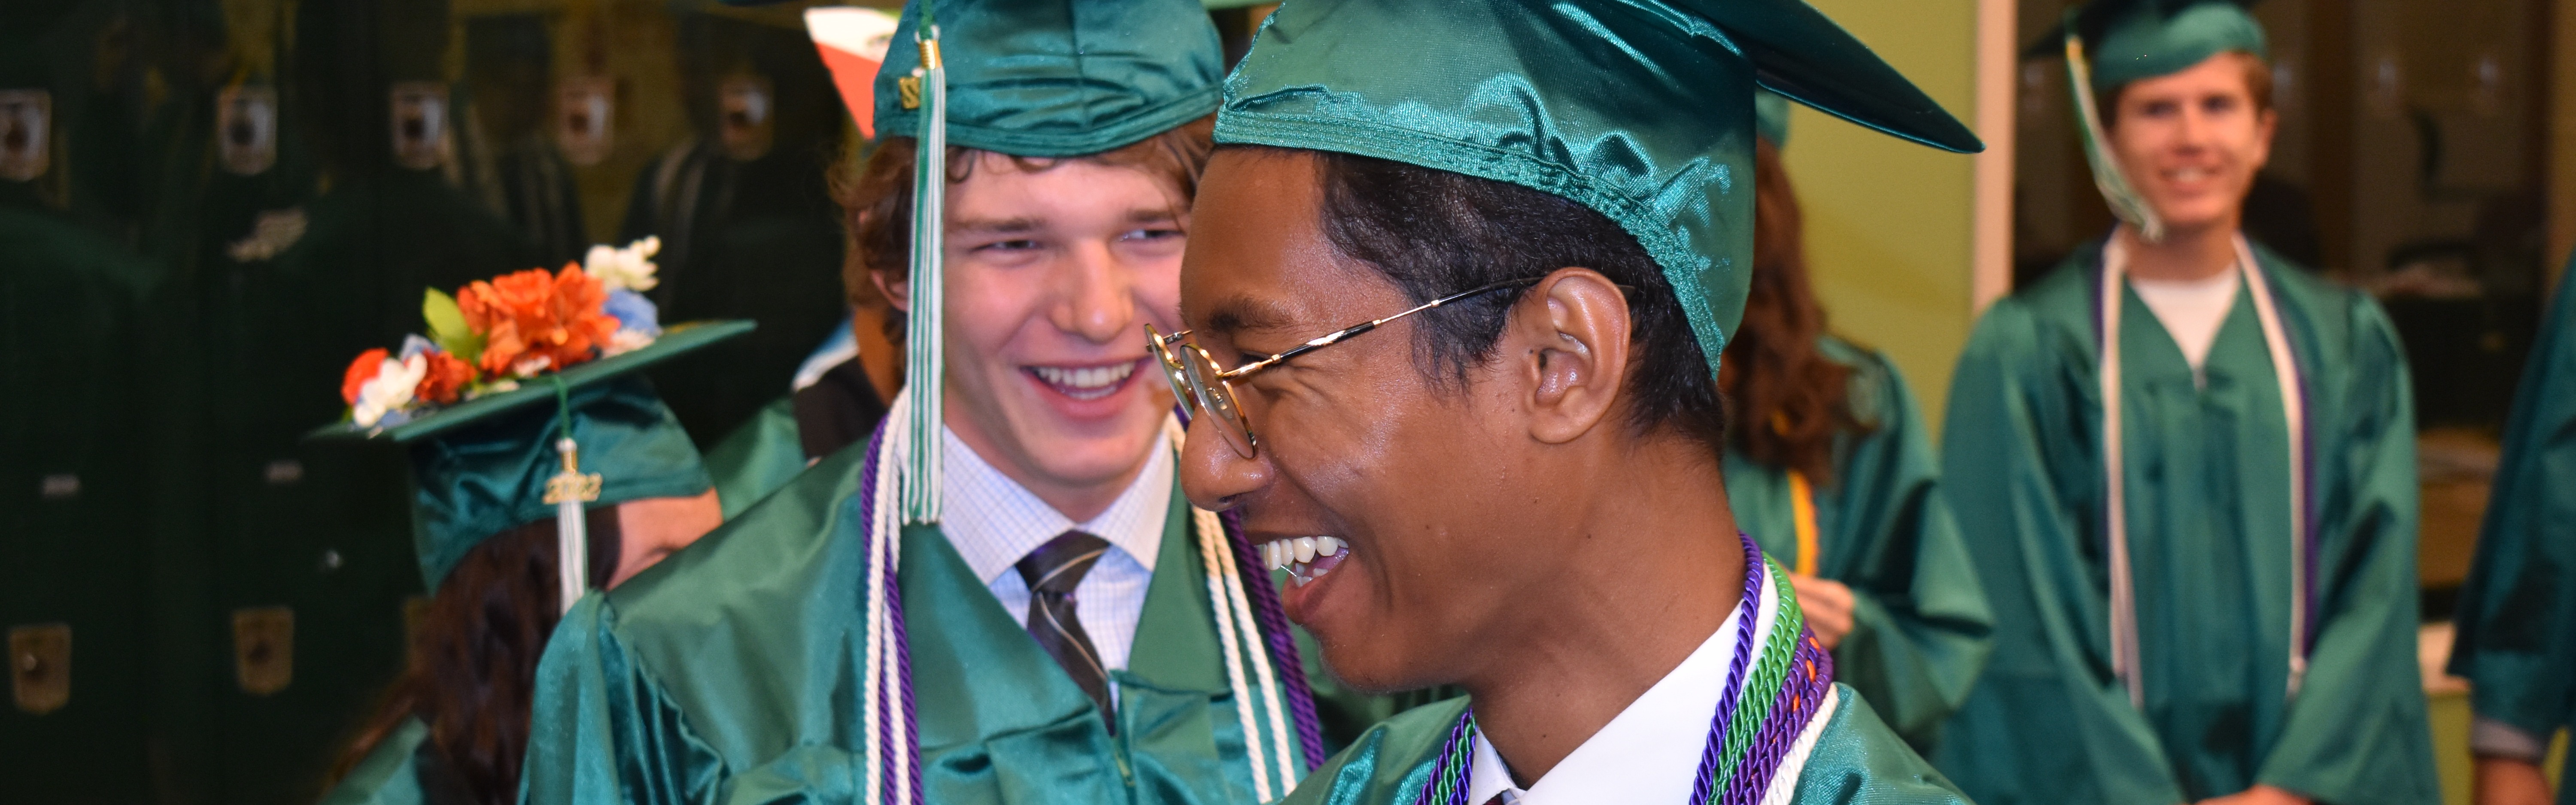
630, 268
625, 341
389, 390
531, 367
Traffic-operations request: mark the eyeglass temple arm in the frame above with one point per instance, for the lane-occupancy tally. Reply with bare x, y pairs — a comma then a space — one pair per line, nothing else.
1356, 329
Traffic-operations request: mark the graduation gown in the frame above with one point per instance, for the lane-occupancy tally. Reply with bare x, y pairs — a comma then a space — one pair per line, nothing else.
2516, 642
403, 769
1853, 757
2210, 545
1920, 627
730, 671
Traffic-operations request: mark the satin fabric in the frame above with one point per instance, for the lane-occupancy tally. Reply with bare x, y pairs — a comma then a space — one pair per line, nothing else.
1855, 760
1059, 78
481, 479
2147, 41
2516, 642
1920, 625
2209, 538
728, 673
1641, 110
756, 458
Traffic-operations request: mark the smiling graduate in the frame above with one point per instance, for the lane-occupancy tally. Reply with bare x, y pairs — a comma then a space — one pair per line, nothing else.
1460, 280
2197, 533
1001, 596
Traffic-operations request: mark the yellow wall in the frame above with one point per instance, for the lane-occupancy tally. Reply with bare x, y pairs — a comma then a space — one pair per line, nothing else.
1888, 221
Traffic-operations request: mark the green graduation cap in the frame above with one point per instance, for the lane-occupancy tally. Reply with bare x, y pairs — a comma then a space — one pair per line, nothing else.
1640, 109
1030, 78
590, 436
2109, 43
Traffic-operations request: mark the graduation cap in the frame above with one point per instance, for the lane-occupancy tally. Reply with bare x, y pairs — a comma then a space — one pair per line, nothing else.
2109, 43
494, 450
1028, 78
1642, 110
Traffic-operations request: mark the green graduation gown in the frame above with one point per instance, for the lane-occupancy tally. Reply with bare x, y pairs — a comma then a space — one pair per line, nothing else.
401, 770
2210, 547
729, 673
1920, 628
2517, 620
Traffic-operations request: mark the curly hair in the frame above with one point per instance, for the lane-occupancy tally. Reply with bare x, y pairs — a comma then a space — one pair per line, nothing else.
1789, 399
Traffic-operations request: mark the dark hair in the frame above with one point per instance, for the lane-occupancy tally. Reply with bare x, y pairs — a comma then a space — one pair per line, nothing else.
1790, 400
1433, 232
876, 195
471, 676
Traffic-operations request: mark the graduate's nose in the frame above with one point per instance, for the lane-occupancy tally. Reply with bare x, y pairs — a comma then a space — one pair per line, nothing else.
1213, 475
1096, 295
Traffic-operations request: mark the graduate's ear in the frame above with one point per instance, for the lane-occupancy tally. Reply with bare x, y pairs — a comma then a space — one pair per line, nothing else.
1569, 342
897, 290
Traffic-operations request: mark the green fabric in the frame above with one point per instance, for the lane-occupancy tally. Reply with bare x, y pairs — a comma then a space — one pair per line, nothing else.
2208, 535
389, 775
2149, 38
478, 480
1856, 760
2516, 642
1771, 117
1920, 627
727, 673
757, 458
1059, 78
1578, 101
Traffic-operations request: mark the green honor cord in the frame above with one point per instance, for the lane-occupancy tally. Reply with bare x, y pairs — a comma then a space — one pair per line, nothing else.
923, 335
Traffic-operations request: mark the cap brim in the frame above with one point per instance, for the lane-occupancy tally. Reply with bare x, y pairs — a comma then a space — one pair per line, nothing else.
676, 340
1798, 52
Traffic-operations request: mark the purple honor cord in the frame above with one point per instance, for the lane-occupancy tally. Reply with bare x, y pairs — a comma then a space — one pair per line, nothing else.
1808, 674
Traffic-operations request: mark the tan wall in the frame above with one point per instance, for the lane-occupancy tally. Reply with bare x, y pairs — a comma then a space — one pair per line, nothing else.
1889, 223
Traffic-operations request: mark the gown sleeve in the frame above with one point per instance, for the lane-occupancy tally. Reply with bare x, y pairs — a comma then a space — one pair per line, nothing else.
2047, 721
1920, 625
1857, 760
602, 731
2516, 642
2357, 731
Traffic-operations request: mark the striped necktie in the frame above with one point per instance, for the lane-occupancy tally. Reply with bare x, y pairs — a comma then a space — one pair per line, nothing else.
1052, 571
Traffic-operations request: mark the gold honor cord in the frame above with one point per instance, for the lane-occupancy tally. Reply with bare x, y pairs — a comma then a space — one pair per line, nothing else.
1802, 514
2285, 371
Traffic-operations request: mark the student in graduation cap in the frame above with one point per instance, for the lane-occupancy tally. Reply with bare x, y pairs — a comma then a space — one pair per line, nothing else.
2516, 642
542, 466
1828, 467
1516, 486
1001, 596
2208, 592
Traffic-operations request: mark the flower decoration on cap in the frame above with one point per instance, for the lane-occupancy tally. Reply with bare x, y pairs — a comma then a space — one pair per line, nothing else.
494, 333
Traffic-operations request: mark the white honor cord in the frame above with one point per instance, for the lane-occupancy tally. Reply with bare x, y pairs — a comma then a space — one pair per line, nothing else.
2285, 370
1237, 628
884, 529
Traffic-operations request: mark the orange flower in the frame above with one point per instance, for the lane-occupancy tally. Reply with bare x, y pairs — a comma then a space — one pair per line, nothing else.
445, 378
536, 322
360, 371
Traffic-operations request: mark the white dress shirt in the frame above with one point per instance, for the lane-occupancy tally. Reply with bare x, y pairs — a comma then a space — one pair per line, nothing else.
1649, 754
994, 523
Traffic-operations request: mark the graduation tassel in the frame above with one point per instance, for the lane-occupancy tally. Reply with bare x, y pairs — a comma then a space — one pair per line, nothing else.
2107, 177
568, 490
923, 337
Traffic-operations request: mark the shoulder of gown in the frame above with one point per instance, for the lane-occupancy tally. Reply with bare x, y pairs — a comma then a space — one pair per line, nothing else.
1386, 764
388, 775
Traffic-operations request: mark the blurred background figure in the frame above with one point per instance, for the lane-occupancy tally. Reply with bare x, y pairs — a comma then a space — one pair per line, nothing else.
1827, 464
2516, 643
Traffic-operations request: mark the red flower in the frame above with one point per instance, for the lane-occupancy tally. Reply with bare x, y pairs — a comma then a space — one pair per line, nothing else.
537, 322
360, 371
446, 376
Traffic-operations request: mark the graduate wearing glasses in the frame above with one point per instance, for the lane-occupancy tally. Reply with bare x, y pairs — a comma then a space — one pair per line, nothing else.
2197, 532
1461, 277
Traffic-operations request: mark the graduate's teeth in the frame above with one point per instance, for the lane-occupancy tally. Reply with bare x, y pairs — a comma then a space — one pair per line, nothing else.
1305, 549
1327, 546
1087, 382
1301, 557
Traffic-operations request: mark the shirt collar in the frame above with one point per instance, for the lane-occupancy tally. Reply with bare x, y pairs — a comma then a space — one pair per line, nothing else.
1651, 751
994, 522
